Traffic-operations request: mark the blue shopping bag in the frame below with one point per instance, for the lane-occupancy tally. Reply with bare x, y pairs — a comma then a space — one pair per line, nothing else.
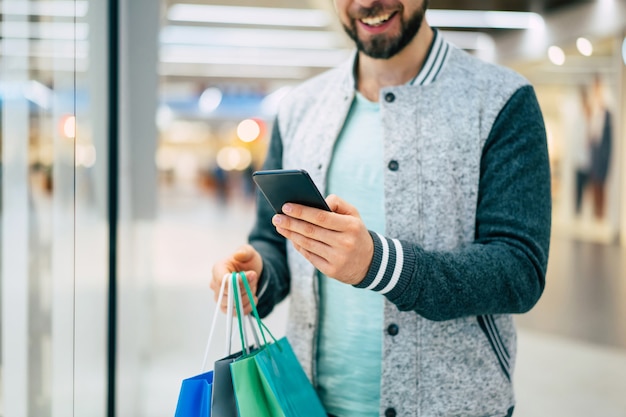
197, 396
194, 399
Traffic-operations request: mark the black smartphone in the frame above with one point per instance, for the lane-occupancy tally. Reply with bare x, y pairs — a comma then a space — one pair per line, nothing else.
282, 186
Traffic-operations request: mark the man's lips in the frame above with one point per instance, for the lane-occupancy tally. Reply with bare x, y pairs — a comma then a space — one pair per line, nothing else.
377, 24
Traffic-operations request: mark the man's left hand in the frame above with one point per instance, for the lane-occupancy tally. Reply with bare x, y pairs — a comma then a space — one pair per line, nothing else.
337, 243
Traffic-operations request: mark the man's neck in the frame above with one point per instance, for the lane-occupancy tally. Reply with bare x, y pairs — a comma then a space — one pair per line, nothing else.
374, 74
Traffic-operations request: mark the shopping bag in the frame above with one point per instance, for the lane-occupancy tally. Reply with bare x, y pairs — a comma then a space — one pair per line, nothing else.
285, 382
223, 401
211, 393
270, 382
194, 399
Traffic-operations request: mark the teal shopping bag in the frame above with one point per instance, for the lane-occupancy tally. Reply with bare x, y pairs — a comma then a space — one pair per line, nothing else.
285, 382
270, 382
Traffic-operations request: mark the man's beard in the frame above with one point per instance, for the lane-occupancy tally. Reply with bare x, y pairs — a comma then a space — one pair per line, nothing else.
383, 46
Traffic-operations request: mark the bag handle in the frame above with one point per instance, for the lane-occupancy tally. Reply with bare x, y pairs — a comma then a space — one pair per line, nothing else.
254, 309
229, 319
213, 323
239, 307
255, 312
240, 315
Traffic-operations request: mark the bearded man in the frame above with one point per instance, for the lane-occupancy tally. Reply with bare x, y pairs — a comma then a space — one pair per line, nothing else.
436, 169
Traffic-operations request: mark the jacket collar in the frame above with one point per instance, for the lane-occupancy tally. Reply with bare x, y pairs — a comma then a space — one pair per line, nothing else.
435, 60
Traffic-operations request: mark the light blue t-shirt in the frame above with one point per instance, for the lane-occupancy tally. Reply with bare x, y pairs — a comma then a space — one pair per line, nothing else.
350, 333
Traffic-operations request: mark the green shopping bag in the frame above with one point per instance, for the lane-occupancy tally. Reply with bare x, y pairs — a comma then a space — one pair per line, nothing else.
270, 382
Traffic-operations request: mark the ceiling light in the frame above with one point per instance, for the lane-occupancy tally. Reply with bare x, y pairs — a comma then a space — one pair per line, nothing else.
57, 8
484, 19
480, 44
195, 54
234, 71
469, 40
44, 30
268, 38
624, 51
45, 48
267, 16
556, 55
584, 46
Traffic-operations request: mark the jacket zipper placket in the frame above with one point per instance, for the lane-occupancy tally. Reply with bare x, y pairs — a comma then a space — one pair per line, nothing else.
316, 331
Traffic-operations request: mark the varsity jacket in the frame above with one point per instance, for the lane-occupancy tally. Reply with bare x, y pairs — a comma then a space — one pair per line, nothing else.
467, 206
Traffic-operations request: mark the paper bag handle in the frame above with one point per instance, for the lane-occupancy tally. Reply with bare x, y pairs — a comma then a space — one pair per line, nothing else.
217, 309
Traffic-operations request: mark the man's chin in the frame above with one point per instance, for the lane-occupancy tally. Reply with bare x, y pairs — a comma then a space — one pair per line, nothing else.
377, 51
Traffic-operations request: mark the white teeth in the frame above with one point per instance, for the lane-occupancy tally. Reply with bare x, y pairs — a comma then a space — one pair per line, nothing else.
375, 21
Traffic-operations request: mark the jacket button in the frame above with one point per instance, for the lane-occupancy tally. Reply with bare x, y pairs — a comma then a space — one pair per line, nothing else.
390, 97
393, 329
390, 412
393, 165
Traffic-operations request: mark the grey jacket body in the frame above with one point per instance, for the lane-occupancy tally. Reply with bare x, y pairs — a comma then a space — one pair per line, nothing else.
467, 205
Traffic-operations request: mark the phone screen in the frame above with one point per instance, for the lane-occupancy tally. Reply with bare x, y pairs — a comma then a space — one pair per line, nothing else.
289, 186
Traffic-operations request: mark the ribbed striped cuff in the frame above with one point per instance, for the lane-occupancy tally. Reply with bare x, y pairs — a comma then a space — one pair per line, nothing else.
391, 268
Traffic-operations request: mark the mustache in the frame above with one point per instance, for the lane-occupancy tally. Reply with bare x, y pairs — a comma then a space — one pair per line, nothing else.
375, 9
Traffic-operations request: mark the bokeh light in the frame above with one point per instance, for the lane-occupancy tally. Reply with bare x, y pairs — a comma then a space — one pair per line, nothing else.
556, 55
164, 117
233, 158
210, 100
68, 126
248, 130
85, 155
584, 46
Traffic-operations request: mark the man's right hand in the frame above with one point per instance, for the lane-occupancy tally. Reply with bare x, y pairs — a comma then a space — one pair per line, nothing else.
245, 259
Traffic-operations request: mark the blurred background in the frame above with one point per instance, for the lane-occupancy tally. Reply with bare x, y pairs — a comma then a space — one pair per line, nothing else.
128, 133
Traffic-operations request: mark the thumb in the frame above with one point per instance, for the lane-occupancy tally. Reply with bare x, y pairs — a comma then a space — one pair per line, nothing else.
340, 206
244, 254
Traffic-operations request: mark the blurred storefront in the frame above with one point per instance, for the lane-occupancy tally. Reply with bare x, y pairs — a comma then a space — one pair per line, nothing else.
577, 65
580, 93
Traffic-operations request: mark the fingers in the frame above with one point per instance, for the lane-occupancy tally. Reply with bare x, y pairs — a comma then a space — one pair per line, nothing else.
311, 215
307, 237
252, 279
246, 259
247, 306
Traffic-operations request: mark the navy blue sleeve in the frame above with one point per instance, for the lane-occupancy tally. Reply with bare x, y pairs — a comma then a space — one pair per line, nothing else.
503, 270
274, 282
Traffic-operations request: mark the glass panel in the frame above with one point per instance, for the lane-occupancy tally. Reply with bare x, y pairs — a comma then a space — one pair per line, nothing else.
53, 275
38, 193
137, 327
91, 238
17, 216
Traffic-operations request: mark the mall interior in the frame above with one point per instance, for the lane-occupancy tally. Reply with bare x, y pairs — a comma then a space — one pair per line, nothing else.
128, 133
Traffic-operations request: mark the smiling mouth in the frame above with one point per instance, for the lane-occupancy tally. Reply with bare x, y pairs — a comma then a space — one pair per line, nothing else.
377, 20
